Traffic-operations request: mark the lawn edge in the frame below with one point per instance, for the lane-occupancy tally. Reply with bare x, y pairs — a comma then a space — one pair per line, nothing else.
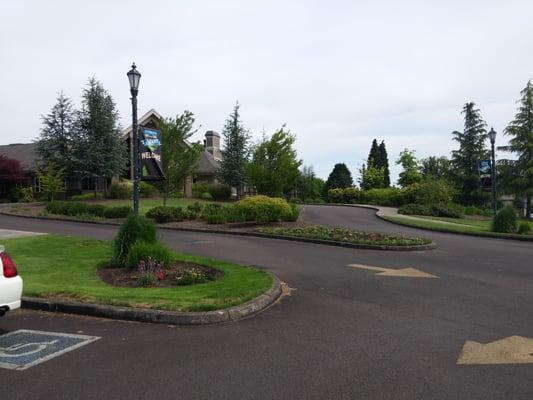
421, 247
232, 314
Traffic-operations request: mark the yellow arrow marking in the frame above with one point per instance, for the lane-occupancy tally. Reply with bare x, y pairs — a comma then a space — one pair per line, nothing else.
510, 350
402, 272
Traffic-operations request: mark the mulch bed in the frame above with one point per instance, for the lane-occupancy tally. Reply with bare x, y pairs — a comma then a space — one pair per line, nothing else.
126, 277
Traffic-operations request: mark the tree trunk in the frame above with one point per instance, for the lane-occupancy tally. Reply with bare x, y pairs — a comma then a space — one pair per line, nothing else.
95, 188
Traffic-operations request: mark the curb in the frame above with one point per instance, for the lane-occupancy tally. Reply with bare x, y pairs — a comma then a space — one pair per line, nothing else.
421, 247
231, 314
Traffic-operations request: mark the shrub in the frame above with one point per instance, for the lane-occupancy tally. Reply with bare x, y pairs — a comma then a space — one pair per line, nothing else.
294, 214
206, 196
505, 220
86, 196
524, 228
429, 192
351, 195
135, 228
263, 208
117, 212
198, 188
26, 194
219, 192
212, 208
161, 214
120, 190
56, 207
13, 195
193, 210
97, 210
450, 210
146, 190
414, 209
143, 251
336, 195
216, 218
383, 197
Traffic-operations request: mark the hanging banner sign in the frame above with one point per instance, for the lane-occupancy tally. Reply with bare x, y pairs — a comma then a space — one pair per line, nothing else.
484, 169
150, 148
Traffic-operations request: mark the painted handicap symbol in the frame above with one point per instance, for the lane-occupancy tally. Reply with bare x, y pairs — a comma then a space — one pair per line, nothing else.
24, 348
27, 349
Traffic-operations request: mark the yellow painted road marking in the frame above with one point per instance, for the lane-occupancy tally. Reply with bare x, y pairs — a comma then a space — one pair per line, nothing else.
510, 350
402, 272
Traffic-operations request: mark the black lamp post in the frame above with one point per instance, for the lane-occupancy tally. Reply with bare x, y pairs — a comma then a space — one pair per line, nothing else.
492, 137
134, 77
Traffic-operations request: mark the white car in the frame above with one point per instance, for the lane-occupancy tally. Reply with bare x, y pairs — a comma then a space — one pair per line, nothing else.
10, 284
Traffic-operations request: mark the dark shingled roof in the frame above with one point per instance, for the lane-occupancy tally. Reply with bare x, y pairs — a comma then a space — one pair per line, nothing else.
22, 152
207, 164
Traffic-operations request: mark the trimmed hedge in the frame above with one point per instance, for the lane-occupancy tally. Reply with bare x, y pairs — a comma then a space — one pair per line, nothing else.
436, 210
383, 197
75, 209
162, 214
264, 209
506, 220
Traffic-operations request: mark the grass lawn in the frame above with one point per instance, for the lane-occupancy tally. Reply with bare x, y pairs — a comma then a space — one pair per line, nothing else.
461, 225
146, 204
65, 267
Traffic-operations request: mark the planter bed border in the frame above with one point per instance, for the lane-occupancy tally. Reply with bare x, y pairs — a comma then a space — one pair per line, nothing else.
235, 313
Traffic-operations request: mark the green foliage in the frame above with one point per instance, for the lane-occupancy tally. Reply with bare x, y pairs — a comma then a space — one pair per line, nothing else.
336, 195
520, 131
436, 168
472, 148
429, 192
146, 189
524, 228
162, 214
473, 210
371, 177
308, 186
506, 220
340, 177
198, 188
232, 171
219, 192
384, 163
264, 209
117, 212
86, 196
59, 136
75, 209
383, 197
206, 196
411, 170
51, 181
134, 229
414, 209
101, 152
143, 251
273, 169
194, 210
121, 190
180, 158
26, 194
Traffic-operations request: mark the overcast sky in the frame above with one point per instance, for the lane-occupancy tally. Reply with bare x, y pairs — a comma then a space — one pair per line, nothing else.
338, 73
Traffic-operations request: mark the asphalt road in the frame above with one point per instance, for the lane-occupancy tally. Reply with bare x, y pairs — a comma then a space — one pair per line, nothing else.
344, 333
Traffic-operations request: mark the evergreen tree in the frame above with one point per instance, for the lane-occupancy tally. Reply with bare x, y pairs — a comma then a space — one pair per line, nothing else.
340, 177
435, 168
384, 163
371, 177
309, 188
273, 169
232, 169
520, 131
411, 170
373, 155
102, 153
465, 160
179, 157
58, 136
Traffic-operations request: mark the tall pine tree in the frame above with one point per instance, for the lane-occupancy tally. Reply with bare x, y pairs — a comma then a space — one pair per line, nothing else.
340, 177
57, 139
372, 175
236, 151
520, 131
384, 163
102, 154
472, 148
373, 155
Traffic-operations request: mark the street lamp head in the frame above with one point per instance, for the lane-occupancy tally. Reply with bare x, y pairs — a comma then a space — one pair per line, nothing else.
492, 135
134, 76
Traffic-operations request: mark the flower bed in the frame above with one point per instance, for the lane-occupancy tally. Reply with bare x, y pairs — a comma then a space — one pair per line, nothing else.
346, 236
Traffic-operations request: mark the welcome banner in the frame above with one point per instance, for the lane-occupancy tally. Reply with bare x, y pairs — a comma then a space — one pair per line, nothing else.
150, 148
